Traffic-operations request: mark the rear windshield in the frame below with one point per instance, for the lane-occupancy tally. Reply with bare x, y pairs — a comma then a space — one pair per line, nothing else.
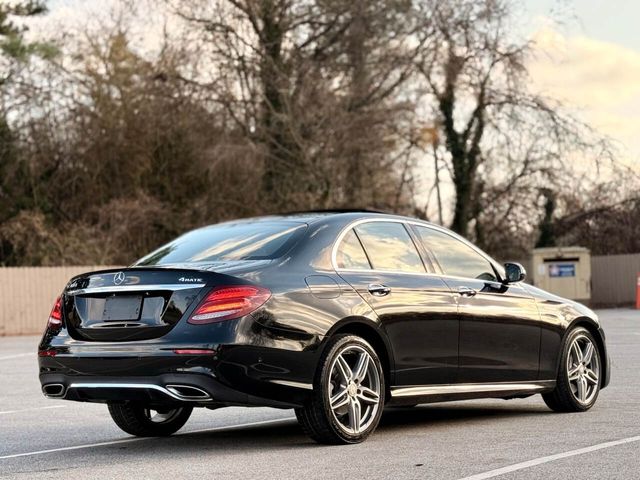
228, 241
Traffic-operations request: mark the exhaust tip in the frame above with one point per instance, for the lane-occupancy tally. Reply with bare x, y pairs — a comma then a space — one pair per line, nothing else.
53, 390
187, 392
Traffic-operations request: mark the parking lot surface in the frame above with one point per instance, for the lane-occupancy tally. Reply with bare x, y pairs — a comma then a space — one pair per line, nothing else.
514, 439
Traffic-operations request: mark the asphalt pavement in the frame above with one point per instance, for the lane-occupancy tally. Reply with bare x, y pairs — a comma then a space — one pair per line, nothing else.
514, 439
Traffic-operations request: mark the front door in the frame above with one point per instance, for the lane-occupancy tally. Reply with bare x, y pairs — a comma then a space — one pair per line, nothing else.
499, 332
499, 324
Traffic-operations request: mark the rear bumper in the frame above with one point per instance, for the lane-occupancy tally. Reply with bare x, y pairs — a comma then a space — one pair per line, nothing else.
230, 375
243, 363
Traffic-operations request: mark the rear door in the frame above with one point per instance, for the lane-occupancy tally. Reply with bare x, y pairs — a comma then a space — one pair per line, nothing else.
417, 310
499, 324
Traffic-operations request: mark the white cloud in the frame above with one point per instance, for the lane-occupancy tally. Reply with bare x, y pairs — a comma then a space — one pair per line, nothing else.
599, 79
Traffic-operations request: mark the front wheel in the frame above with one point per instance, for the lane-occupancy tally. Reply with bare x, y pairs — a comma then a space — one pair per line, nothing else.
348, 393
578, 382
143, 421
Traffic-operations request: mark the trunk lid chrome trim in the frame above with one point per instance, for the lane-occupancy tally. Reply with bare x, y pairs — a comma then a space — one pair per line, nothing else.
136, 288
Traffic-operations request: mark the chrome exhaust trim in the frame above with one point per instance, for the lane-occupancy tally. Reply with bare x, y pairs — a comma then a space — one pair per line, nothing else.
172, 391
53, 390
189, 392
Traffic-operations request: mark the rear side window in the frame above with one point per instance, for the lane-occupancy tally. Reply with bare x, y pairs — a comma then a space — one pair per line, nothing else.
228, 241
390, 247
455, 257
350, 254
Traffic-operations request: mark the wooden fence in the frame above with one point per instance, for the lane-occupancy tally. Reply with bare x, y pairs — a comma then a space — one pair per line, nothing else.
614, 279
27, 293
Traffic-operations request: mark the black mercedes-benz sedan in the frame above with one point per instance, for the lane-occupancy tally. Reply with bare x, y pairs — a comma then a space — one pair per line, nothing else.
334, 314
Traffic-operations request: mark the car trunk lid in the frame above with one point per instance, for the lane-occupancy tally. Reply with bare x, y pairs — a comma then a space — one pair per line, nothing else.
134, 303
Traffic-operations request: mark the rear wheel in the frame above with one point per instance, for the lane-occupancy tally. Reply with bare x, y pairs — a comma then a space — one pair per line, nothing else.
578, 382
348, 393
143, 421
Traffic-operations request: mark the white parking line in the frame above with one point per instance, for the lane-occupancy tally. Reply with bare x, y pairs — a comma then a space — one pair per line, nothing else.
139, 439
30, 409
18, 355
550, 458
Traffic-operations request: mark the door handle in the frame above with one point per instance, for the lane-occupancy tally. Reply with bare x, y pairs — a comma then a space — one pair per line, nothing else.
379, 290
466, 292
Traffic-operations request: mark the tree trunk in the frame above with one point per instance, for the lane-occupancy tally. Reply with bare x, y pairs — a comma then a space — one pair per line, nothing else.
282, 152
355, 158
462, 209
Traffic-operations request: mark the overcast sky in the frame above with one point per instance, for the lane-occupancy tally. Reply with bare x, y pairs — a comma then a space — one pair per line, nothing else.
591, 60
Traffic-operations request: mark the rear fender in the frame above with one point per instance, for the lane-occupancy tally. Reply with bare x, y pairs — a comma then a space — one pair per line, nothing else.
370, 331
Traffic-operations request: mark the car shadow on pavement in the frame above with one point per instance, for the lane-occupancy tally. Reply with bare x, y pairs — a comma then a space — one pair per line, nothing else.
452, 413
288, 434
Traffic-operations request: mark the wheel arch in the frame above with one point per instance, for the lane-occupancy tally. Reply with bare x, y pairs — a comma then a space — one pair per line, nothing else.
370, 332
594, 329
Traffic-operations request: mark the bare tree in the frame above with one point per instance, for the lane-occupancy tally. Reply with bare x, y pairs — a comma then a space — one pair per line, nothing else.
312, 84
251, 106
498, 133
15, 51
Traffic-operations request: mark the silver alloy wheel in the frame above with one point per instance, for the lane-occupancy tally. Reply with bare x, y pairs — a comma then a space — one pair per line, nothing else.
162, 416
354, 389
583, 369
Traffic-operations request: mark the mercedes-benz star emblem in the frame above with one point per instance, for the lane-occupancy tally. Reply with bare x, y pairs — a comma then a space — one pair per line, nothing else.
118, 278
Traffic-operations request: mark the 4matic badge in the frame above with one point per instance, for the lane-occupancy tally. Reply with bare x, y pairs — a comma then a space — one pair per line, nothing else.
186, 279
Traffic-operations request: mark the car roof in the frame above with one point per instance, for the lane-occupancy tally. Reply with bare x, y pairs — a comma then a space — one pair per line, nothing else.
337, 215
315, 217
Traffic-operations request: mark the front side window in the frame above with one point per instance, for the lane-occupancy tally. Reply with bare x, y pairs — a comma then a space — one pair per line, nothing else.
244, 240
350, 254
389, 247
455, 257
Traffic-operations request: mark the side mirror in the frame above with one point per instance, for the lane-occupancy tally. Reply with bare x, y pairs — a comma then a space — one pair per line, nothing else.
514, 273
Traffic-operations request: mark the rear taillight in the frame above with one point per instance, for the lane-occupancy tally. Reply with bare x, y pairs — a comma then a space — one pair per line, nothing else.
55, 317
226, 303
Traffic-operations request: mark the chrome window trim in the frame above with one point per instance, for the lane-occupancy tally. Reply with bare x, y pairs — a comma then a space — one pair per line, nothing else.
355, 223
357, 237
461, 388
496, 267
428, 274
394, 272
135, 288
343, 233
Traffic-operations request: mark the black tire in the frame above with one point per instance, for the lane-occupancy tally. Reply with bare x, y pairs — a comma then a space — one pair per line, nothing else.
563, 398
135, 419
318, 419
